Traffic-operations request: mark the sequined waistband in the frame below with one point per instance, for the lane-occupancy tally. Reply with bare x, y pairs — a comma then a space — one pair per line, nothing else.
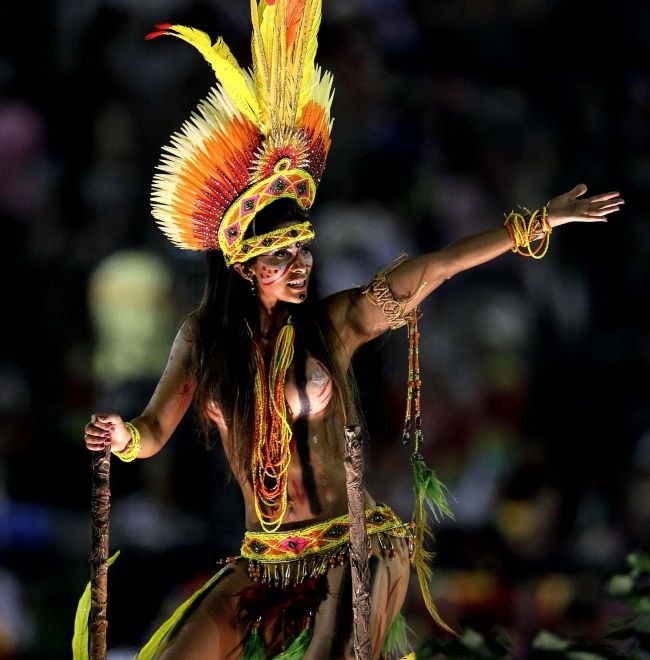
291, 556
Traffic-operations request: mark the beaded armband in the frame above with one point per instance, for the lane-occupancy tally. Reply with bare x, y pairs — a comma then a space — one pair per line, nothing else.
378, 293
526, 227
133, 447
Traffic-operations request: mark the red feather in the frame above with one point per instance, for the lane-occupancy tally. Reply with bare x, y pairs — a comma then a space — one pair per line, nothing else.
161, 29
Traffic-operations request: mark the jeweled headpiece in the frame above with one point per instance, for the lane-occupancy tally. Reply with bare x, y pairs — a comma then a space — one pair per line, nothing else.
260, 135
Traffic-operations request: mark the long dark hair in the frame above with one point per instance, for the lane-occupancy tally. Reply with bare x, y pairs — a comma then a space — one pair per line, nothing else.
222, 356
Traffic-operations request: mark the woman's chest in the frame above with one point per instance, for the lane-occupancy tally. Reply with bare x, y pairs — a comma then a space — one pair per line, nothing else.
308, 388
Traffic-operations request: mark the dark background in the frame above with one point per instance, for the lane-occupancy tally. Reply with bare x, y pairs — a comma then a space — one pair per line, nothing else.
536, 373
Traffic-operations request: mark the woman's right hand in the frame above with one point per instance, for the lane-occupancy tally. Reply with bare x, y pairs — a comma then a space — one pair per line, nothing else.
572, 207
106, 429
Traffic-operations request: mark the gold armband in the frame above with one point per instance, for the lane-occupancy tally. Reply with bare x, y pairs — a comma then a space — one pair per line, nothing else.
133, 447
378, 293
526, 227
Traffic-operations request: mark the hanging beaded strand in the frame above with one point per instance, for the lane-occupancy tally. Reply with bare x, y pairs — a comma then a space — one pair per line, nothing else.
413, 416
429, 491
406, 433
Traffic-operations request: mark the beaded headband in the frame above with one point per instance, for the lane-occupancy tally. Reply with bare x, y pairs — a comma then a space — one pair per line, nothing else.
260, 135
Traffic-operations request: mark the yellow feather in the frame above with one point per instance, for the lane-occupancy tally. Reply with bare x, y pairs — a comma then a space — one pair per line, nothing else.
306, 45
261, 71
235, 81
422, 560
284, 46
220, 47
267, 15
266, 61
285, 88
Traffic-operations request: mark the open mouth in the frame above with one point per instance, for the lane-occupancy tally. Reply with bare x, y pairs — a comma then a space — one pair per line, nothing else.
298, 285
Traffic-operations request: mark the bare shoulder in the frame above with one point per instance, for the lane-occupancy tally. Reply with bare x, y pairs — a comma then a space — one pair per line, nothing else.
180, 353
185, 331
182, 344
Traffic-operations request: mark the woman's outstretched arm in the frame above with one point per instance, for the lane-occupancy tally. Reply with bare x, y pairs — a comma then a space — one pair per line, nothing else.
162, 414
358, 320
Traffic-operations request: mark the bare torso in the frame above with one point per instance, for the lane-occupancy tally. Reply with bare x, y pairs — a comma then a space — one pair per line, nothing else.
316, 482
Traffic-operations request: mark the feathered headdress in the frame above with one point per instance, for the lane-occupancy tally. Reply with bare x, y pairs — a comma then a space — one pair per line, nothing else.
260, 135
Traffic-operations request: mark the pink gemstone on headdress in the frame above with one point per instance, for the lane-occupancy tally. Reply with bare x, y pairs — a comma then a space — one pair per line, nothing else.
302, 188
293, 544
248, 205
278, 186
232, 234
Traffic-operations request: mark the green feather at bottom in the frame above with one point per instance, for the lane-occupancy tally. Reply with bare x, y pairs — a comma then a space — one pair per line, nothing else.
396, 640
429, 494
298, 647
254, 648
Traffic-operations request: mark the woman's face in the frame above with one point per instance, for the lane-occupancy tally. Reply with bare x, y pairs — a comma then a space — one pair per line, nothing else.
282, 275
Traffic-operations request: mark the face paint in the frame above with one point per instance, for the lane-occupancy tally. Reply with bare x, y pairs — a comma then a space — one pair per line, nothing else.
270, 274
283, 274
274, 265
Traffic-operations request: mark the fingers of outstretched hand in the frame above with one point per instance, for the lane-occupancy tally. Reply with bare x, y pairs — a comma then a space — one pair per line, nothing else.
605, 197
97, 433
569, 207
601, 212
604, 205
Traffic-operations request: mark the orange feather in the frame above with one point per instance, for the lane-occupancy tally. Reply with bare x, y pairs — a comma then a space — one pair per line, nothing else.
295, 9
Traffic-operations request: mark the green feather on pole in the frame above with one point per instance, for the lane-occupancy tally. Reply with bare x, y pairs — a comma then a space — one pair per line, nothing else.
430, 491
80, 637
430, 494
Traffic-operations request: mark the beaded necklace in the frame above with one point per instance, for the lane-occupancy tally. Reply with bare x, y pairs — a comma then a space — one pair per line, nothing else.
272, 454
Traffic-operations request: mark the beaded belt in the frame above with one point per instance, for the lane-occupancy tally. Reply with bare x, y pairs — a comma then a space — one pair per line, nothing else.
288, 557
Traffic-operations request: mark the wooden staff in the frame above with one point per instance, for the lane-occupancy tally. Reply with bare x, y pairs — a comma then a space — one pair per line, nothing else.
100, 506
358, 542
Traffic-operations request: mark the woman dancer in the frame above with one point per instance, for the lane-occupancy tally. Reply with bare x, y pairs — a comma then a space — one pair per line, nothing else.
268, 362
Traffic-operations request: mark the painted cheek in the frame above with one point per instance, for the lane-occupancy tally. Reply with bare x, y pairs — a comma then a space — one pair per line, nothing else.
271, 275
275, 274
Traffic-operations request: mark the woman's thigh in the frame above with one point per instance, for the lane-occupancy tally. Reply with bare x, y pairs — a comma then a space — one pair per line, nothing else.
332, 637
211, 631
214, 631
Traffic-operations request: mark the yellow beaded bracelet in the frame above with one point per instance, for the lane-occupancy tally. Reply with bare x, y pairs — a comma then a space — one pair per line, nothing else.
133, 447
524, 228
